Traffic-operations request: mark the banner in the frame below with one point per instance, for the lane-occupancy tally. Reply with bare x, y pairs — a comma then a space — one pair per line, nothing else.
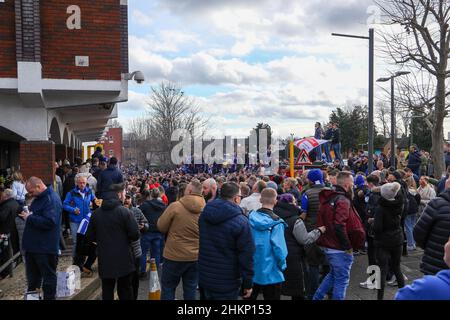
309, 144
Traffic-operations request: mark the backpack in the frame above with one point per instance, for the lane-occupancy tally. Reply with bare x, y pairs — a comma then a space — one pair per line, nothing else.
354, 227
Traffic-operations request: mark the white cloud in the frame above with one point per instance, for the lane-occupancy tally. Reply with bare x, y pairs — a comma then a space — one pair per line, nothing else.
141, 18
289, 92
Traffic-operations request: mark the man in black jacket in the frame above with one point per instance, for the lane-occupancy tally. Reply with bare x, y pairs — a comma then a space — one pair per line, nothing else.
336, 143
108, 177
114, 228
432, 232
8, 210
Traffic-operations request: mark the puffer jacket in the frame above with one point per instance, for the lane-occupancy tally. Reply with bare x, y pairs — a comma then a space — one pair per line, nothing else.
180, 223
432, 232
74, 199
271, 250
226, 248
387, 226
294, 284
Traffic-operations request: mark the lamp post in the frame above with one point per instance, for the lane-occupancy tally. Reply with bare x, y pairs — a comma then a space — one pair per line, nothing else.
391, 78
371, 38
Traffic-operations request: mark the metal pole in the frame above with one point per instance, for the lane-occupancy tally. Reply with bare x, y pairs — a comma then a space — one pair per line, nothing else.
371, 107
291, 156
393, 164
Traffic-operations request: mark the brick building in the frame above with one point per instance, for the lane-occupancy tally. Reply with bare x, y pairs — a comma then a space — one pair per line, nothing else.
63, 68
113, 143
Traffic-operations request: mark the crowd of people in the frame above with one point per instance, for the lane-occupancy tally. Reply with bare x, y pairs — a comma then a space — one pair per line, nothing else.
232, 235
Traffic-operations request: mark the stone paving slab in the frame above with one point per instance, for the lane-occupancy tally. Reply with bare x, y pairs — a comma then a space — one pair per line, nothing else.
409, 266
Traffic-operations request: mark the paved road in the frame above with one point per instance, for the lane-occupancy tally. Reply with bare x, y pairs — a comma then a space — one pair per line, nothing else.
410, 267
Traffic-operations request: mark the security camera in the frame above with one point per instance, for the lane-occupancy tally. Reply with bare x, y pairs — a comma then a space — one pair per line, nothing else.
138, 76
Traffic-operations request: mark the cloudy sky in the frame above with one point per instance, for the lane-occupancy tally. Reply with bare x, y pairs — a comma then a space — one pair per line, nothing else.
250, 61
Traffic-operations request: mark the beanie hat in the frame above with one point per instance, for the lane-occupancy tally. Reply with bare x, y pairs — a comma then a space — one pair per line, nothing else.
315, 176
389, 190
272, 185
359, 181
287, 197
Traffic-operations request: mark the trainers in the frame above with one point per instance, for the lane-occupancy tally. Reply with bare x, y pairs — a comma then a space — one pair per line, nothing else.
365, 285
413, 248
393, 283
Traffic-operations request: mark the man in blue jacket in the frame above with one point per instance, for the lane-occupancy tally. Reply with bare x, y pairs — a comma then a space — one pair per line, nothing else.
429, 287
108, 177
271, 250
226, 248
78, 204
41, 237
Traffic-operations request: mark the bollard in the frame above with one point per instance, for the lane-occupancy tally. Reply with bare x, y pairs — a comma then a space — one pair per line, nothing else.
154, 292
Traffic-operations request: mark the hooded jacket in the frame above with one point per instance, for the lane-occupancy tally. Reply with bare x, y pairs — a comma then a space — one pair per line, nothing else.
335, 220
74, 199
294, 274
152, 210
387, 225
113, 228
271, 250
180, 223
432, 232
428, 288
226, 248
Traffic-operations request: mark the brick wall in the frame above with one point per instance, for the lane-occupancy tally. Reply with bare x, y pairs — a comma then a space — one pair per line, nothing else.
124, 38
114, 143
8, 64
99, 38
60, 152
36, 159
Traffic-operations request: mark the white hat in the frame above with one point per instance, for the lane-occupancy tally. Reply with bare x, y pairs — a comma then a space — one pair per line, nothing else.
389, 190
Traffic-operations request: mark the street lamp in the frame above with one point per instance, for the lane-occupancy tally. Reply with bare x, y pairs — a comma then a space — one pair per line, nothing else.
371, 77
391, 78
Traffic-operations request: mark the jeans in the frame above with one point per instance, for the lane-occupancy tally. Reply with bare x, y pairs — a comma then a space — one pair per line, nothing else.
172, 272
206, 294
41, 271
410, 222
73, 231
338, 278
318, 152
326, 148
389, 258
151, 241
124, 288
337, 151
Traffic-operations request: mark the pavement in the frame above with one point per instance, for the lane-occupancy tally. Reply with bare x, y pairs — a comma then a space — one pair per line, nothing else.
409, 265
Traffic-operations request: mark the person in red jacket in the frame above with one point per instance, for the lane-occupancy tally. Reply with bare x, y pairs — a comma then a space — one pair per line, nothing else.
335, 241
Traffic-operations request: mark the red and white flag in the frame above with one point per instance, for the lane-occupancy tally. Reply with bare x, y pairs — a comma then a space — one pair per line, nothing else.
309, 144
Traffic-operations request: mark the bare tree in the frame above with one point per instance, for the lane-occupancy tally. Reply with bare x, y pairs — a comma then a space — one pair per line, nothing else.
383, 115
422, 44
116, 124
169, 109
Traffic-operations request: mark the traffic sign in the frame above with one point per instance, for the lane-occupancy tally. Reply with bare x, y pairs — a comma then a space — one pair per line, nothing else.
303, 159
